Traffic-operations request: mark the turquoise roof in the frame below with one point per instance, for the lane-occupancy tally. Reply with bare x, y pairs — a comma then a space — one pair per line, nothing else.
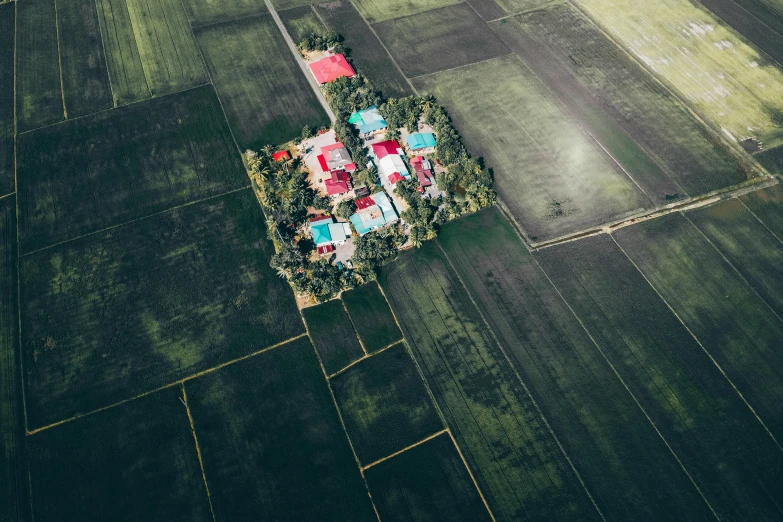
368, 120
420, 140
387, 211
320, 233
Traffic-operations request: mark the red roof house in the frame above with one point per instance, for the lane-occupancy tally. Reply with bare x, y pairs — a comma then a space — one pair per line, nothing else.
385, 148
394, 177
281, 155
336, 156
423, 169
325, 249
338, 183
330, 68
364, 203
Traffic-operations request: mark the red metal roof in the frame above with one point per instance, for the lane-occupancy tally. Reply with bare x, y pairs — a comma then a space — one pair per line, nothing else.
316, 219
365, 202
333, 146
325, 249
394, 177
330, 68
338, 183
424, 178
385, 148
281, 155
417, 159
322, 163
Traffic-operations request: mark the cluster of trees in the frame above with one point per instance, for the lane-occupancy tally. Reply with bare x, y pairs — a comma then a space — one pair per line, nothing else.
375, 250
419, 214
318, 279
323, 41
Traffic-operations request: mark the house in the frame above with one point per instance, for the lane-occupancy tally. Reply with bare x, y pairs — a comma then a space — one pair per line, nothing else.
281, 155
330, 68
368, 121
420, 141
339, 182
326, 232
390, 162
335, 156
373, 212
423, 170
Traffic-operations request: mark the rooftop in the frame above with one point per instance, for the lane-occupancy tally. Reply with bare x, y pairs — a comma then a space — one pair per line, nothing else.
368, 120
420, 140
330, 68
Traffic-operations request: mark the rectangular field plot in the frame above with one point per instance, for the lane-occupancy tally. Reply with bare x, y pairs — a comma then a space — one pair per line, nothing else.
513, 455
380, 10
86, 86
265, 95
730, 320
554, 178
367, 52
333, 335
7, 101
384, 404
767, 206
300, 22
624, 463
109, 168
372, 317
13, 480
136, 461
668, 152
726, 450
428, 482
39, 95
115, 314
733, 85
271, 441
203, 12
440, 39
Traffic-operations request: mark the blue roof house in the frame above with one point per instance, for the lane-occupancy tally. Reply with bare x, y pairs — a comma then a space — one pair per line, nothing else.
420, 140
374, 212
367, 121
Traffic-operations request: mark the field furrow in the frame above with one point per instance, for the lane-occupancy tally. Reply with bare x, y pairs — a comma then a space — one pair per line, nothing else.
7, 184
767, 206
205, 12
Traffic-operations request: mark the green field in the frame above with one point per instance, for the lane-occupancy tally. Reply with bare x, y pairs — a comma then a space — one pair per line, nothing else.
6, 101
115, 314
128, 80
333, 335
380, 10
728, 81
676, 155
367, 52
271, 441
426, 483
732, 459
384, 404
301, 22
109, 168
39, 96
548, 171
13, 480
441, 39
730, 320
516, 461
372, 317
134, 462
203, 12
625, 464
488, 9
767, 206
86, 86
265, 95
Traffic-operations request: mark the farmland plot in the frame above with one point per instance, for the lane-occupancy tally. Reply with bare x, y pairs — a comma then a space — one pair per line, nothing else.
367, 52
7, 101
106, 169
516, 461
730, 320
372, 317
300, 22
137, 461
748, 245
663, 146
733, 460
266, 97
549, 172
440, 39
333, 335
428, 482
767, 205
86, 86
203, 12
111, 315
39, 96
271, 441
384, 404
626, 466
380, 10
13, 480
721, 75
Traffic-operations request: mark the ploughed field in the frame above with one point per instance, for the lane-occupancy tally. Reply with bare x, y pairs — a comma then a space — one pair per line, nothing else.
145, 340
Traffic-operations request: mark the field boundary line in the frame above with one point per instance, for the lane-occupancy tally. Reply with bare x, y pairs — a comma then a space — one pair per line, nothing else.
406, 448
198, 450
131, 104
759, 220
98, 12
704, 349
513, 368
166, 386
542, 7
134, 220
386, 49
470, 473
355, 331
511, 53
360, 359
9, 194
340, 417
60, 58
622, 381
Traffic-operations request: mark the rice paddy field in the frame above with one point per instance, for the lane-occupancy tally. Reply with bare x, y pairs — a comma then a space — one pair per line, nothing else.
7, 102
333, 335
372, 317
205, 12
